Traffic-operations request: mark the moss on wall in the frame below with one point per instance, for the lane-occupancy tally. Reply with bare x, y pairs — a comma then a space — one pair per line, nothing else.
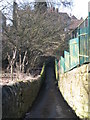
19, 97
75, 88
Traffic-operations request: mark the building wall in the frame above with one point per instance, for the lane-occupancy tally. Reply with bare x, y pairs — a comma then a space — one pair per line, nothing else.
75, 88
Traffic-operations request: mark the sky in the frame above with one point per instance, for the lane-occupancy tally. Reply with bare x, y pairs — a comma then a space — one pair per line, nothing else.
79, 9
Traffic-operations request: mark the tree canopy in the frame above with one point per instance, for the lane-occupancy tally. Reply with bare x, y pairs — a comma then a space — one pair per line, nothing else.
35, 37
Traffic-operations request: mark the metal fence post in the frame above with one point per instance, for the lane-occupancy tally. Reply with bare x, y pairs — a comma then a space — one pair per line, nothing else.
89, 30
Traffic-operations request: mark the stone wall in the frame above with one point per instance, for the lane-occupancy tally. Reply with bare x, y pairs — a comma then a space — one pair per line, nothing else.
75, 88
19, 97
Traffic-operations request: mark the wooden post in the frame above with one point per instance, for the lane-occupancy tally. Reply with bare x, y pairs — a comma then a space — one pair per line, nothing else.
89, 30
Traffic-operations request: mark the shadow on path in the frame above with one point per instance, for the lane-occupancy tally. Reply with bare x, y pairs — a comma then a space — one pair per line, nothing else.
50, 103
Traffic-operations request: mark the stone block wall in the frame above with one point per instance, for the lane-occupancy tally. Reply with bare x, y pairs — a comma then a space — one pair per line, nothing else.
19, 97
75, 88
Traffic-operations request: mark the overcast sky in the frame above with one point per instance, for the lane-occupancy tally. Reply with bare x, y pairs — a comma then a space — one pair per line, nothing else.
80, 7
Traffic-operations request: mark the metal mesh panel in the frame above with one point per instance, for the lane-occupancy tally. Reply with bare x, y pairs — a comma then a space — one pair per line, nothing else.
67, 60
83, 38
89, 36
74, 52
62, 65
84, 31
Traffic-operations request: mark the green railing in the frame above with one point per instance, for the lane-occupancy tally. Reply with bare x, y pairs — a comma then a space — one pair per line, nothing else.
79, 48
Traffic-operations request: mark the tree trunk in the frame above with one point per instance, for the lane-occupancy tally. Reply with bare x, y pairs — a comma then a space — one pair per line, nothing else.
11, 71
24, 58
20, 63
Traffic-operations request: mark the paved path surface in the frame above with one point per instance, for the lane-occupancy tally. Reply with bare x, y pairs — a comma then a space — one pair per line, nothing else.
50, 103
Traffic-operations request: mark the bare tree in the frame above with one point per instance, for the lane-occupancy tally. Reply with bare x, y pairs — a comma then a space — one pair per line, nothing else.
48, 3
32, 36
11, 62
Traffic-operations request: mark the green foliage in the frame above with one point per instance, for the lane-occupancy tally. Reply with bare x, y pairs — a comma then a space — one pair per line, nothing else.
43, 68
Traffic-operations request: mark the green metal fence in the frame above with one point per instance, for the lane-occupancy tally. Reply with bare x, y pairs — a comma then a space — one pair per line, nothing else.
83, 44
74, 52
79, 48
67, 60
62, 65
89, 36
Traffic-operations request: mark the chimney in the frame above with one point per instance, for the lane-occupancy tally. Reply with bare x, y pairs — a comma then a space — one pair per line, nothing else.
15, 7
57, 10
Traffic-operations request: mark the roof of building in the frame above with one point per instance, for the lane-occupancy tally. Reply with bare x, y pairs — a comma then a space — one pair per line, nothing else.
74, 24
73, 17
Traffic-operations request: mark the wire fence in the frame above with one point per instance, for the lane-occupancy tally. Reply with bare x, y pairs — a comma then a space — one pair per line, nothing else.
79, 48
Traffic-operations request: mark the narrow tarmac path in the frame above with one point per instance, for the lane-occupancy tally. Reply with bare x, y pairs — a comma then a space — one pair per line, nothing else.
50, 103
